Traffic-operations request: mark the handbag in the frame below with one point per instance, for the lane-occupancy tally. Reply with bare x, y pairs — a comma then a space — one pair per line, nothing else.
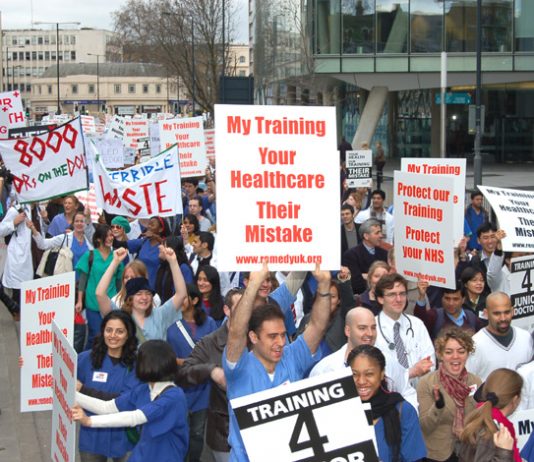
56, 261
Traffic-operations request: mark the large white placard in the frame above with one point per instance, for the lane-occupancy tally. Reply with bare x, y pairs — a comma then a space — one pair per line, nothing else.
48, 165
277, 187
424, 227
112, 152
11, 112
313, 420
142, 191
42, 300
455, 168
359, 165
522, 291
65, 359
188, 133
523, 422
515, 211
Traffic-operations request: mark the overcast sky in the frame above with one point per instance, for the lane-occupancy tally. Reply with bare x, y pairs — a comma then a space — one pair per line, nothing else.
18, 14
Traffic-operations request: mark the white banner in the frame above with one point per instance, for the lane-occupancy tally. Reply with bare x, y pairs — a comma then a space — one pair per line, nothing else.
523, 422
134, 129
307, 421
11, 112
142, 191
48, 165
515, 211
522, 292
359, 165
42, 300
65, 359
455, 168
424, 227
189, 134
280, 164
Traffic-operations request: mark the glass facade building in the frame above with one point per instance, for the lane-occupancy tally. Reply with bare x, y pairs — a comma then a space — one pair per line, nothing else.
335, 51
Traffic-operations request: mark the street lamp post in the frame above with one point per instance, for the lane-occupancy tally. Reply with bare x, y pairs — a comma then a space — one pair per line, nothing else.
193, 83
477, 162
57, 55
97, 77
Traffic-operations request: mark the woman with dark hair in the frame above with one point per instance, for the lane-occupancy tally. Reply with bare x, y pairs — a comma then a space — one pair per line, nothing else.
487, 430
90, 269
146, 248
164, 285
182, 336
446, 396
473, 285
157, 404
139, 300
209, 285
398, 434
106, 372
189, 230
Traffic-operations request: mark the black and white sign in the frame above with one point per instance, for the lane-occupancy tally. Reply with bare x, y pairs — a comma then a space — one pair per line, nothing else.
523, 422
359, 168
522, 292
314, 420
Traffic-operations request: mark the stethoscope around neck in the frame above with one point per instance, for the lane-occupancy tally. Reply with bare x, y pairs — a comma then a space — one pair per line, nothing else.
391, 345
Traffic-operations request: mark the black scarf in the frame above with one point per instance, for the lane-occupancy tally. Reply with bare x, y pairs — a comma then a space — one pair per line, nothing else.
384, 405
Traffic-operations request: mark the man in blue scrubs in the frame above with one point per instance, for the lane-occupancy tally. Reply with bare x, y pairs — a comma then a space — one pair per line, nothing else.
270, 362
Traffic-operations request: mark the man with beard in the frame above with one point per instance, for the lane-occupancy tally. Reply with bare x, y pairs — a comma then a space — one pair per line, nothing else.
499, 344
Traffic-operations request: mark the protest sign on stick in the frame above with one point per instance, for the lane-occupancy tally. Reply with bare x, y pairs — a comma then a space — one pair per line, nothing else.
48, 165
11, 112
143, 190
277, 187
359, 165
42, 301
424, 227
515, 211
449, 167
307, 422
522, 291
65, 359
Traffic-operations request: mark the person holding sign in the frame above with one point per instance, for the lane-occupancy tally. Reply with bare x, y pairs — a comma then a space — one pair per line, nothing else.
398, 434
152, 323
157, 404
106, 372
270, 362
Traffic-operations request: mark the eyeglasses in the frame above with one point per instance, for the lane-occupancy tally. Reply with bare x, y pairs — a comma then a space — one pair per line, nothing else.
393, 295
116, 227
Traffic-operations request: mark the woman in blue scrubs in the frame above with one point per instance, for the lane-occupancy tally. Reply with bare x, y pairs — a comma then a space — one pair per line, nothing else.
106, 372
398, 434
157, 404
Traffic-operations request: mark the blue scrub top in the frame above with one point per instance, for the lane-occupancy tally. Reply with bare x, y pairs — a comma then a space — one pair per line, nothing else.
111, 378
149, 255
165, 436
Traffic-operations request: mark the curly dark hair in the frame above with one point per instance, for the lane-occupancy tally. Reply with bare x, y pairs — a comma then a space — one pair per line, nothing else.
129, 350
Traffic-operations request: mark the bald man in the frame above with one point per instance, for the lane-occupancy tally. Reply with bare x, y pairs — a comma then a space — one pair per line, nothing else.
360, 329
499, 344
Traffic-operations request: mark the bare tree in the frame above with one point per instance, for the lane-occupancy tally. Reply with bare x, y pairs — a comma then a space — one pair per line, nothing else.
184, 36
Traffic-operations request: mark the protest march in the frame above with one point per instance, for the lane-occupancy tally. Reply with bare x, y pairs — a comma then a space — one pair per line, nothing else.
245, 292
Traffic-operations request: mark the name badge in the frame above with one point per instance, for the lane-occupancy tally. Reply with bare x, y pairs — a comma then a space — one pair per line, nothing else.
100, 377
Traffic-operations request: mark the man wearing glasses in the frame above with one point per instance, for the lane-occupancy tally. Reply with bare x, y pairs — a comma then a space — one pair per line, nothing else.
401, 337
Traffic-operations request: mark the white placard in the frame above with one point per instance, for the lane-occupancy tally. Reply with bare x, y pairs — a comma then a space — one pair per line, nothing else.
143, 190
424, 240
188, 133
280, 166
134, 130
11, 112
307, 421
522, 292
116, 128
359, 165
112, 152
88, 124
455, 168
523, 422
515, 211
47, 165
209, 136
155, 142
65, 359
42, 300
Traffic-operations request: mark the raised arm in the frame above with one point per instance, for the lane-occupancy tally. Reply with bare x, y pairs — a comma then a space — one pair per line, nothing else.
320, 314
180, 290
238, 328
104, 302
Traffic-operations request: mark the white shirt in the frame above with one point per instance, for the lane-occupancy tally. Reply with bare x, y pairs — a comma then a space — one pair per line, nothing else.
489, 354
396, 375
527, 394
387, 230
414, 335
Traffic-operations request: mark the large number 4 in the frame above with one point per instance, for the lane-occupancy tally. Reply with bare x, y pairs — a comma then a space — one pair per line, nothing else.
315, 441
527, 284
